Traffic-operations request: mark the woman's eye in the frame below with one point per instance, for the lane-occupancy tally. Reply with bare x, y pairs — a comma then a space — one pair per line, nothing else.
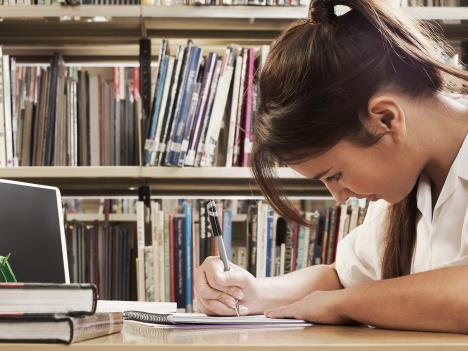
334, 178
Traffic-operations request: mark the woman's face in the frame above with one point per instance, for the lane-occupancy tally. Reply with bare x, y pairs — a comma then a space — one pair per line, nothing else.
384, 170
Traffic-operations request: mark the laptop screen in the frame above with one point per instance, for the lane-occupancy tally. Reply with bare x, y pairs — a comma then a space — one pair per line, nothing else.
31, 229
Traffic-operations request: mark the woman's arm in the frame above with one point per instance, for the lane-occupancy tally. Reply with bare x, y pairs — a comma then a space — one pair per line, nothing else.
430, 301
291, 287
434, 300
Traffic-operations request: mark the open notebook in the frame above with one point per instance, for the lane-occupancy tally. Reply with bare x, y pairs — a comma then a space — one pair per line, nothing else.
201, 319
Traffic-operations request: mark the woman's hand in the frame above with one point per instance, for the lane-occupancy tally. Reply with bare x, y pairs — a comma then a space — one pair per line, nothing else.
216, 290
318, 307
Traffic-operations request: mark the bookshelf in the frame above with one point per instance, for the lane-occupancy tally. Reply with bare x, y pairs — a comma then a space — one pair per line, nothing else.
252, 13
91, 217
124, 24
125, 180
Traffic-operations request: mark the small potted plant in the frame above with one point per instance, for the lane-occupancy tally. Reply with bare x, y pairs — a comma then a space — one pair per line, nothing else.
6, 273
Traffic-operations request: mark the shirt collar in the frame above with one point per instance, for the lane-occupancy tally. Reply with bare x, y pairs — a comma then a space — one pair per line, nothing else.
459, 169
463, 161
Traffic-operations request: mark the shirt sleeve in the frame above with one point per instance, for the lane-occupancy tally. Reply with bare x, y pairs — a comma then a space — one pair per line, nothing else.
462, 258
359, 254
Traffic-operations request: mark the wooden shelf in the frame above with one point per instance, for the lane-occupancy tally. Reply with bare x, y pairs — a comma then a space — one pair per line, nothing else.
91, 217
61, 27
24, 12
163, 181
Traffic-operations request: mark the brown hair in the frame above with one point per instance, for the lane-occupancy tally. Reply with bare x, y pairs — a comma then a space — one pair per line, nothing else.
314, 90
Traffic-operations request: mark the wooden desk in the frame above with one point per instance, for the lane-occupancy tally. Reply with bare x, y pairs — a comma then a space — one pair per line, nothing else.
309, 338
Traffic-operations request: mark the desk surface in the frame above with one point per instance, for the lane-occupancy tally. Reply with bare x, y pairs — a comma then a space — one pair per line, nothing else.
305, 338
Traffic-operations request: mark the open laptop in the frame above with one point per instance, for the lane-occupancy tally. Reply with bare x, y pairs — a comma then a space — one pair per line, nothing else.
31, 229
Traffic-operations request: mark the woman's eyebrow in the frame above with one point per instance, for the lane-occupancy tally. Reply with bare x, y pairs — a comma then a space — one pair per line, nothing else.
321, 174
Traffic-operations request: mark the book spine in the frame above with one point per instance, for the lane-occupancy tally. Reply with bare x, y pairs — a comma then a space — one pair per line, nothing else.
227, 232
7, 111
252, 228
300, 248
233, 113
240, 109
219, 106
156, 243
269, 244
140, 249
188, 128
160, 255
332, 236
188, 256
207, 116
149, 144
170, 113
202, 232
167, 259
312, 218
172, 257
248, 138
326, 236
295, 238
179, 260
288, 249
175, 129
3, 157
162, 112
201, 108
185, 113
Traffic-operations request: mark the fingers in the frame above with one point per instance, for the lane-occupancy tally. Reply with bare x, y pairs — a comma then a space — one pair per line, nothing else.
221, 280
206, 295
206, 289
288, 311
216, 290
217, 308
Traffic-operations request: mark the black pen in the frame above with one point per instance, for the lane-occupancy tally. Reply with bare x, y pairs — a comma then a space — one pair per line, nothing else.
213, 216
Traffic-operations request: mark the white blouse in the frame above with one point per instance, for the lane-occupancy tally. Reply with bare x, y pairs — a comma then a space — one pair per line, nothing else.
441, 235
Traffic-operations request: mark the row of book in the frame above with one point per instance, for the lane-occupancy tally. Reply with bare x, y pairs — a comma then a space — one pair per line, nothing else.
67, 116
203, 110
173, 237
105, 255
100, 206
445, 3
160, 2
304, 3
203, 107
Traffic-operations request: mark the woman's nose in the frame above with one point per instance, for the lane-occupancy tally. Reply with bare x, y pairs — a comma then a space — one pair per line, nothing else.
341, 194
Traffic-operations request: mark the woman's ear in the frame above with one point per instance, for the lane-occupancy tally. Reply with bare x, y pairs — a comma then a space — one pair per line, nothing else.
385, 115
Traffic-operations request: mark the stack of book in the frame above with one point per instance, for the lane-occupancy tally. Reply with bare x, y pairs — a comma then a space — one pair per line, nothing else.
180, 238
33, 312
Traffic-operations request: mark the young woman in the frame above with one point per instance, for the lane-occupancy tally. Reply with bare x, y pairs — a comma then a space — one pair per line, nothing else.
364, 102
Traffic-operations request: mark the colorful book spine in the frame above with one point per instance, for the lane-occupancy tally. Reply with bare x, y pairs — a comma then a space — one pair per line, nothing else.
188, 286
227, 232
269, 243
149, 145
201, 108
248, 138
